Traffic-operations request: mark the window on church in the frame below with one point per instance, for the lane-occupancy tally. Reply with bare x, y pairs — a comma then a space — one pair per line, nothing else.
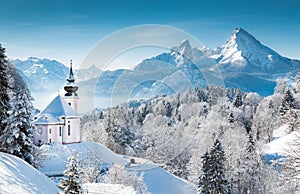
50, 131
69, 103
49, 140
59, 131
69, 130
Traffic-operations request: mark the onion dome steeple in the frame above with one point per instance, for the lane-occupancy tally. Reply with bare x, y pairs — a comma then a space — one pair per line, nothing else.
71, 87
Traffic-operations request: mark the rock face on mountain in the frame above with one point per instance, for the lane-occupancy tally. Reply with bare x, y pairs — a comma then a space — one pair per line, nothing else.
241, 62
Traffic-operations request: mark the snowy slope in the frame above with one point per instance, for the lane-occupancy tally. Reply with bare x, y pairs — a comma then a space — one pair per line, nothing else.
57, 156
159, 181
283, 143
18, 177
156, 179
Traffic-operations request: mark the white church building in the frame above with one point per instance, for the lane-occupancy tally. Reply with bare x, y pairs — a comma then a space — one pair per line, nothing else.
59, 122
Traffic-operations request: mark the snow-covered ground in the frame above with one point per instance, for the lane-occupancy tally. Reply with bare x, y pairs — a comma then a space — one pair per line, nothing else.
57, 156
157, 180
18, 177
283, 143
103, 188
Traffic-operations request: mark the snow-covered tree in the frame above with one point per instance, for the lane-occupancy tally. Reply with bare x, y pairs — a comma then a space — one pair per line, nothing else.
117, 174
288, 102
71, 183
90, 169
213, 179
287, 111
17, 136
291, 165
238, 100
250, 168
204, 185
266, 118
4, 90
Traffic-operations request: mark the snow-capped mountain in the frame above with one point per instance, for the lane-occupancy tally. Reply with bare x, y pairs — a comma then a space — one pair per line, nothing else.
50, 75
42, 74
245, 53
87, 74
45, 77
246, 63
241, 62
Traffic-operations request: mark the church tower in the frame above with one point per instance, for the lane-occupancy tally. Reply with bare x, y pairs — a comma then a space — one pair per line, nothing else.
71, 88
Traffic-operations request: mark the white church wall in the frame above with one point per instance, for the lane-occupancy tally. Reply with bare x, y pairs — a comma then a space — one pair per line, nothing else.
72, 130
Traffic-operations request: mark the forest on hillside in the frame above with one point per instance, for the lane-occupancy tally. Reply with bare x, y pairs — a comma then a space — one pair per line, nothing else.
205, 132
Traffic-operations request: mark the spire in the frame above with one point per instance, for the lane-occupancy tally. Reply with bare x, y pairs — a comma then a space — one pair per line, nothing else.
71, 87
71, 75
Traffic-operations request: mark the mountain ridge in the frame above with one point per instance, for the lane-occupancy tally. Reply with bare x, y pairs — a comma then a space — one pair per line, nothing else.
240, 59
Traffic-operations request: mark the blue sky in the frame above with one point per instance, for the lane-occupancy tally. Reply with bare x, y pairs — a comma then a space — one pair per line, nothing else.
65, 29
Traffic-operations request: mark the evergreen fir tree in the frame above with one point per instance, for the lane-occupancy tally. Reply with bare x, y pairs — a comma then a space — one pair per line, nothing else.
204, 186
237, 102
70, 184
250, 168
213, 179
17, 136
288, 103
4, 90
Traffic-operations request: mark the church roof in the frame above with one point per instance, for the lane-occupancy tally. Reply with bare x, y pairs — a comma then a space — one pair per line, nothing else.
56, 109
48, 119
59, 107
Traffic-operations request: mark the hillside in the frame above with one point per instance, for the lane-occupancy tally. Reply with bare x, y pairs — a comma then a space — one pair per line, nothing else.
16, 176
156, 179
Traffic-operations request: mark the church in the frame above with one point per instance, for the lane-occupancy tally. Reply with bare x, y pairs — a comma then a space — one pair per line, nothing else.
59, 122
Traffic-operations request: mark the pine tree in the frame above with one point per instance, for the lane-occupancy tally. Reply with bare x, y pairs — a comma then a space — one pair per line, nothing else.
250, 168
288, 103
237, 102
17, 136
213, 179
70, 184
4, 90
204, 186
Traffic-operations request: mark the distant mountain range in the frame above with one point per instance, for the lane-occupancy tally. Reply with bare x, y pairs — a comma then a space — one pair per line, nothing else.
241, 62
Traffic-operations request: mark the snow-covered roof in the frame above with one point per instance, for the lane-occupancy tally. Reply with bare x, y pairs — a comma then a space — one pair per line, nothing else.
48, 119
54, 111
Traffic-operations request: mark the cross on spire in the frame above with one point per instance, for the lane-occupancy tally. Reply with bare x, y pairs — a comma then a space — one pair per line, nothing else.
71, 75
